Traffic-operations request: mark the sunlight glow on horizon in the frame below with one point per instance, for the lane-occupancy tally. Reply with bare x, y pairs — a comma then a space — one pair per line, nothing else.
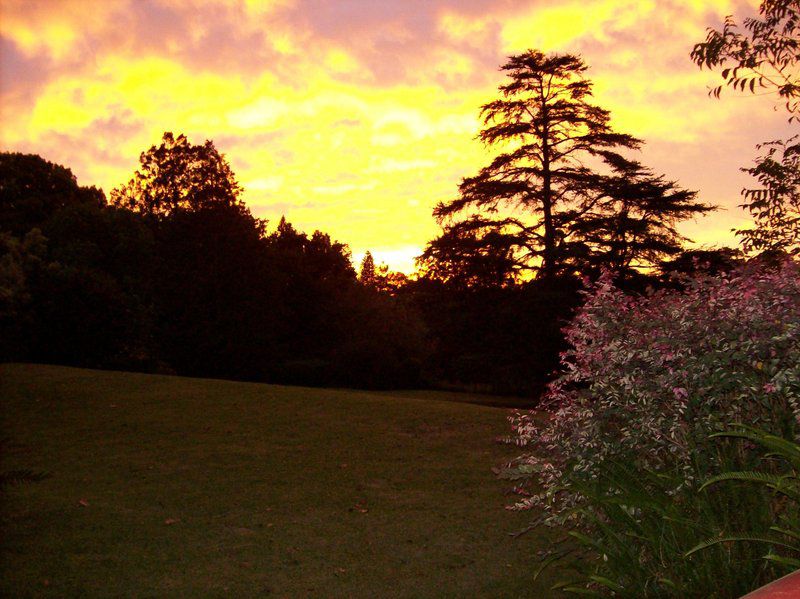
356, 120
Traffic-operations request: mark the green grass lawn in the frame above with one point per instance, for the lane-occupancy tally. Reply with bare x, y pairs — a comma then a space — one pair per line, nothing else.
167, 486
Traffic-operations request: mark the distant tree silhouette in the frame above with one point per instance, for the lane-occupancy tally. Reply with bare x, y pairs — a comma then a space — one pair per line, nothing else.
386, 344
100, 288
21, 262
470, 254
215, 294
553, 201
179, 276
177, 175
494, 339
389, 281
313, 275
366, 273
379, 278
32, 189
763, 57
712, 261
73, 272
325, 260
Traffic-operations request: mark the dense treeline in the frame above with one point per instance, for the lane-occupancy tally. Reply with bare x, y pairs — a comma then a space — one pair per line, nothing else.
175, 274
203, 290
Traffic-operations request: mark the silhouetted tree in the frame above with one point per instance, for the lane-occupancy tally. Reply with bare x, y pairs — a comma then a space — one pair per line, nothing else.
183, 278
379, 278
471, 254
21, 261
177, 175
105, 258
79, 270
32, 189
385, 345
366, 273
633, 225
215, 292
775, 206
311, 274
537, 200
712, 261
494, 339
765, 56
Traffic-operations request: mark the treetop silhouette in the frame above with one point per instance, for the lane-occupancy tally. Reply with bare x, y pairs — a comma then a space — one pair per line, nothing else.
177, 175
559, 197
764, 57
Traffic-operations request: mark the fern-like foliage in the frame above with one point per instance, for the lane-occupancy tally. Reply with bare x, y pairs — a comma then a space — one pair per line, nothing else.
782, 458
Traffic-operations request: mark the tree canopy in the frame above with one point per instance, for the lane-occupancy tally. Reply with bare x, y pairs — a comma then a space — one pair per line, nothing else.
763, 57
178, 175
32, 189
469, 254
775, 206
559, 197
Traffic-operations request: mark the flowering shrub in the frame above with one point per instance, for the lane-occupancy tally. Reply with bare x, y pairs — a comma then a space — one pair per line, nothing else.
649, 378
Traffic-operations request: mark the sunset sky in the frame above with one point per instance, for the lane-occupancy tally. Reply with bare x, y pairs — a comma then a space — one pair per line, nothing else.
357, 116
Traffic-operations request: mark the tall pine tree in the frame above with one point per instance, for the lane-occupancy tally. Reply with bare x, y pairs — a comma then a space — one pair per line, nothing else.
559, 196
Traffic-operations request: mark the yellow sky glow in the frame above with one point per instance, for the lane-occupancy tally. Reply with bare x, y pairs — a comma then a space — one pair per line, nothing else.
358, 124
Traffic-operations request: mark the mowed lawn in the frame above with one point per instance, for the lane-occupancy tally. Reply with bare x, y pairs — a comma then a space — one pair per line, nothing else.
168, 486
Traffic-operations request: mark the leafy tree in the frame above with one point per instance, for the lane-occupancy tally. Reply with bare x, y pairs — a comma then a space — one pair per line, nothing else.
216, 296
765, 56
470, 254
389, 281
385, 344
634, 219
646, 380
312, 275
177, 175
558, 198
775, 206
118, 248
32, 189
711, 261
325, 260
21, 259
74, 272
